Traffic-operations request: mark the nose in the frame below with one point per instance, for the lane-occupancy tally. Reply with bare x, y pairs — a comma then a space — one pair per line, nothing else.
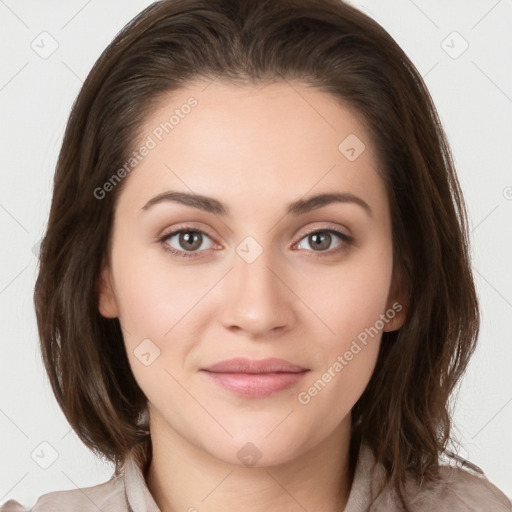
256, 298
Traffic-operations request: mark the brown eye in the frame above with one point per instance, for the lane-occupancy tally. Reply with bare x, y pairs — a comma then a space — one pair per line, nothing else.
190, 240
321, 240
187, 241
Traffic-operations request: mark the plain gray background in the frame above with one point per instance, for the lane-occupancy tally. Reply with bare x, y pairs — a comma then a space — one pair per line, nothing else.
462, 48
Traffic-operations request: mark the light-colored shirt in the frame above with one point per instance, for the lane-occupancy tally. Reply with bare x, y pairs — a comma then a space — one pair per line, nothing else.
460, 490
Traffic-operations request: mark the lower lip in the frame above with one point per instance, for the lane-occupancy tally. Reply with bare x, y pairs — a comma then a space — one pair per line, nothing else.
256, 385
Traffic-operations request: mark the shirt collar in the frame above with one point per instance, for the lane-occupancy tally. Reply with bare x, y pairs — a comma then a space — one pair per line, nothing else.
137, 493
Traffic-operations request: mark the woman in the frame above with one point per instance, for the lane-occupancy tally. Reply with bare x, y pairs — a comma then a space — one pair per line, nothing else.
255, 285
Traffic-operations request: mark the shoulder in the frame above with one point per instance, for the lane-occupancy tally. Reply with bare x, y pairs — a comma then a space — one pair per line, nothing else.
459, 490
107, 497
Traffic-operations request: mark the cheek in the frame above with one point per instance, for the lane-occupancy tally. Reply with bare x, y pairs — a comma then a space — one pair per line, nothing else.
350, 301
152, 296
152, 303
350, 298
158, 305
350, 352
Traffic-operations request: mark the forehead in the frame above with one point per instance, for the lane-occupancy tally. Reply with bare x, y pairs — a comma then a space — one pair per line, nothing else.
274, 142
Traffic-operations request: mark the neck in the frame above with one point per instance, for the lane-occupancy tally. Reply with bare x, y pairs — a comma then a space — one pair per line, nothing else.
182, 476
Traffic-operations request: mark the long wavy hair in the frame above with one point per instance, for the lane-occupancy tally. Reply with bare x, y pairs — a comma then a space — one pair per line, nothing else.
403, 414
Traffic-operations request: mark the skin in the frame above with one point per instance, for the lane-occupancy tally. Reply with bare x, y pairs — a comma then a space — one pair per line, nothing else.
255, 149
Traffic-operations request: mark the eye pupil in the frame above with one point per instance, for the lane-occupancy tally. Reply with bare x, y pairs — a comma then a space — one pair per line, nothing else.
319, 240
190, 240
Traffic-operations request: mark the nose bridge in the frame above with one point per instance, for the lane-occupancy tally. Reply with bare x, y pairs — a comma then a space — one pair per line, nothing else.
255, 299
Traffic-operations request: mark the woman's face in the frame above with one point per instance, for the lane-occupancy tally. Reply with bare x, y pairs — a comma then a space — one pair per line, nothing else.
258, 268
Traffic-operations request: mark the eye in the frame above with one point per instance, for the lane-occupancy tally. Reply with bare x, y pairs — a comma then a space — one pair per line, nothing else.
321, 241
189, 241
186, 242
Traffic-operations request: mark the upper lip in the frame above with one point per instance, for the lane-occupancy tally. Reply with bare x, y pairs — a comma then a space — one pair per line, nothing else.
246, 365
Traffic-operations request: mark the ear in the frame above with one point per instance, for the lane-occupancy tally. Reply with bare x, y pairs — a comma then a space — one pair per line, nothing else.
107, 303
397, 304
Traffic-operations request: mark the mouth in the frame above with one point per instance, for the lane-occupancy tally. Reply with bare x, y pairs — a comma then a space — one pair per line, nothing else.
255, 378
246, 365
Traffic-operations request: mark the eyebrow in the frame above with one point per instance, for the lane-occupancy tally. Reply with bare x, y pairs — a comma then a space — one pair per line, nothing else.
299, 207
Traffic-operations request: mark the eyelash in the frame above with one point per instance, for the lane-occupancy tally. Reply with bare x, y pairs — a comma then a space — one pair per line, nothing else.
346, 241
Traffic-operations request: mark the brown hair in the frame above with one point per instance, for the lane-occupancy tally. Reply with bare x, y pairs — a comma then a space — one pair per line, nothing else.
403, 414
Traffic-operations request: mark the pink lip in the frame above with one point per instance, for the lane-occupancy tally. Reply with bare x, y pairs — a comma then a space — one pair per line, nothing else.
245, 365
255, 378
